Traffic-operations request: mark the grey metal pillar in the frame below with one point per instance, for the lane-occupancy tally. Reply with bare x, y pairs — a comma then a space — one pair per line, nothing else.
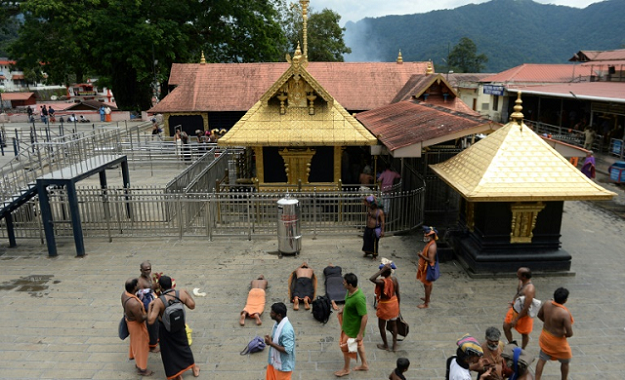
46, 218
126, 179
72, 199
10, 230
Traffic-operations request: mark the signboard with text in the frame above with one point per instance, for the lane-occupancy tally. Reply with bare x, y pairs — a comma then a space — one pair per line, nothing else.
490, 89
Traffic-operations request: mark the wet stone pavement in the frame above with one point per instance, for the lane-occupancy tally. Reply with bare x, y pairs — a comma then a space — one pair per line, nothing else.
59, 316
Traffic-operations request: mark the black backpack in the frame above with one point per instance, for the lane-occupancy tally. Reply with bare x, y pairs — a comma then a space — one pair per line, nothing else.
321, 309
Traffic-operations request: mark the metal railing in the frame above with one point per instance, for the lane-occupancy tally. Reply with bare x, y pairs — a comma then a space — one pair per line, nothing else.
146, 212
567, 135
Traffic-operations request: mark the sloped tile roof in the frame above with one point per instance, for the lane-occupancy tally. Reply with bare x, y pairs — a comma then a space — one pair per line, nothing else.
540, 73
418, 84
599, 55
409, 122
514, 164
357, 86
264, 125
17, 95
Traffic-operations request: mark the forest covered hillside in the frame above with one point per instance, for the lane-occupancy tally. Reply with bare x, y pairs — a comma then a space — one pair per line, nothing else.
509, 32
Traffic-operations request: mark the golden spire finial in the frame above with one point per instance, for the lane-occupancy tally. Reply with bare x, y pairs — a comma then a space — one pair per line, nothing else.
304, 4
202, 59
429, 70
297, 56
399, 57
517, 115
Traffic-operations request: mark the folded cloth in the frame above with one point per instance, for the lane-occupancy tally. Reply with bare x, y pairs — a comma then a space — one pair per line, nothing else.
352, 345
255, 301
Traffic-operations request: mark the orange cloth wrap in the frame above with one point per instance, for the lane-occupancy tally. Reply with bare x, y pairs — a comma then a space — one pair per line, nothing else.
555, 347
524, 325
139, 343
274, 374
388, 306
422, 270
255, 301
343, 341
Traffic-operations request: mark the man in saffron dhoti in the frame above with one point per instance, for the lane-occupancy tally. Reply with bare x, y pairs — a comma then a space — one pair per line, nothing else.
255, 304
387, 295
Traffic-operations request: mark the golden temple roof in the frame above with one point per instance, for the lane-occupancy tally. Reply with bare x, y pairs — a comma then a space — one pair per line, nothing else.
514, 164
297, 111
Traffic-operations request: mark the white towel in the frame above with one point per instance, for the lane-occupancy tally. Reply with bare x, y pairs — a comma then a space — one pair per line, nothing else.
275, 354
352, 345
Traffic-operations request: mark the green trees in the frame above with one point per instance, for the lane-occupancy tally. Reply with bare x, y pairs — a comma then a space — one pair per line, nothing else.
325, 36
130, 45
463, 57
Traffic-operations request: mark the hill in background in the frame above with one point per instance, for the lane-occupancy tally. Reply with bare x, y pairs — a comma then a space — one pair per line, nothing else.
509, 32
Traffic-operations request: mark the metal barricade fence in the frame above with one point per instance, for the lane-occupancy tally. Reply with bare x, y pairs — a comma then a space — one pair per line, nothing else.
147, 212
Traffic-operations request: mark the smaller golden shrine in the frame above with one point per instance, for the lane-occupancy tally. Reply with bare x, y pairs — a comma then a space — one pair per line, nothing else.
513, 187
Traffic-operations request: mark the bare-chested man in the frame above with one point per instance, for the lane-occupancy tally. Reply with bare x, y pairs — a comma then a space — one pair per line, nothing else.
146, 294
255, 304
521, 321
135, 319
558, 325
302, 286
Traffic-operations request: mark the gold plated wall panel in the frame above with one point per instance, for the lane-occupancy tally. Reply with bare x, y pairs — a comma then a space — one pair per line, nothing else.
523, 221
297, 164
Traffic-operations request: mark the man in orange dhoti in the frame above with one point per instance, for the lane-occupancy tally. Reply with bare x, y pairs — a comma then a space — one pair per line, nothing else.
255, 304
521, 321
427, 257
387, 295
558, 325
135, 319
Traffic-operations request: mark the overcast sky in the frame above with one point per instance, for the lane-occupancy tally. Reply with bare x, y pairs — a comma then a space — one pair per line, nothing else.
354, 10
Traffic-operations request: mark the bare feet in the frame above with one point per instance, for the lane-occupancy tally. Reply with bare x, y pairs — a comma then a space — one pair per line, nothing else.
383, 347
258, 321
306, 304
422, 299
145, 372
196, 370
423, 306
155, 350
361, 368
395, 347
242, 320
296, 304
341, 373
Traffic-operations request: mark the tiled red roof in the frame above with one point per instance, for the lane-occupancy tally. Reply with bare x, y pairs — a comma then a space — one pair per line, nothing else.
17, 95
599, 91
356, 86
540, 73
6, 62
409, 122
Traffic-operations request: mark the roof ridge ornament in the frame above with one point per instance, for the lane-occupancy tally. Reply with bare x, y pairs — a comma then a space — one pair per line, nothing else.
399, 58
202, 59
517, 115
429, 70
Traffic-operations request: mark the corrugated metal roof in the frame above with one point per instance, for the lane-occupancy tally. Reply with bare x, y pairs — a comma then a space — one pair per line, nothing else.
540, 73
409, 122
238, 86
514, 164
604, 91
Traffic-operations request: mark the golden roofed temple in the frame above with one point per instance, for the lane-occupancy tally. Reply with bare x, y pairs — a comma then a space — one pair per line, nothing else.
513, 187
297, 130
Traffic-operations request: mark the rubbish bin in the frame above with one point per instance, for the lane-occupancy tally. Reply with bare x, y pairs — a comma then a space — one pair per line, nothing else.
289, 236
617, 172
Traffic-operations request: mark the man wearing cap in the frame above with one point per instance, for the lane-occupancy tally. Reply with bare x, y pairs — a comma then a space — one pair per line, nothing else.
374, 228
427, 257
387, 295
468, 352
492, 347
521, 321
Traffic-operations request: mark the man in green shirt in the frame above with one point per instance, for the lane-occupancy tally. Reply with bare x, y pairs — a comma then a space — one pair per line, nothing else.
353, 320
